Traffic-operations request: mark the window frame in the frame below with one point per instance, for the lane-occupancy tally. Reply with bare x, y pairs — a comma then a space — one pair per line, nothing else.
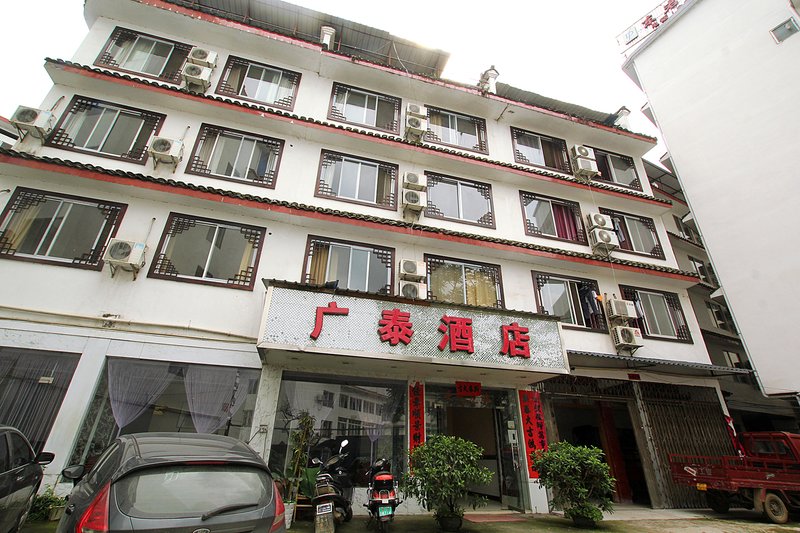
59, 138
617, 216
519, 157
106, 60
636, 184
480, 130
725, 319
533, 231
703, 269
24, 198
177, 223
485, 189
337, 115
541, 277
199, 167
674, 308
384, 253
224, 88
494, 270
329, 157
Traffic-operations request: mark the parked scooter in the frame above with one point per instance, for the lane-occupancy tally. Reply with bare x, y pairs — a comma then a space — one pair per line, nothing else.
333, 493
382, 494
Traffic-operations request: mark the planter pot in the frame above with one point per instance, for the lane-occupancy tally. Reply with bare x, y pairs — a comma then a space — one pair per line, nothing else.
449, 522
289, 514
584, 523
56, 513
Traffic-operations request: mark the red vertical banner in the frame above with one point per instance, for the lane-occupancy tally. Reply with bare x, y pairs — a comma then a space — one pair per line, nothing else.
530, 406
416, 415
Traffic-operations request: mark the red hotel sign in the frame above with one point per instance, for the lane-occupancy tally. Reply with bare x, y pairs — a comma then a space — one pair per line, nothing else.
530, 404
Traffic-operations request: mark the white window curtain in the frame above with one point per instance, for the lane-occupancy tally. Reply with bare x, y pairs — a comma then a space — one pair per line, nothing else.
215, 394
133, 386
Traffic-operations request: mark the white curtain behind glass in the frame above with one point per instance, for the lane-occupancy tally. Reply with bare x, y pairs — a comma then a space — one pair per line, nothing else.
133, 386
215, 394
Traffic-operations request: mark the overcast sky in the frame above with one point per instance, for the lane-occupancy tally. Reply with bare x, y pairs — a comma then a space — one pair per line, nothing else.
564, 49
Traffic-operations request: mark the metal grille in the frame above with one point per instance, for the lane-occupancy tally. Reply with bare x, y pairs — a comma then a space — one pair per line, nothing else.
240, 66
480, 129
574, 207
490, 271
336, 113
676, 311
484, 189
621, 226
180, 52
389, 197
317, 246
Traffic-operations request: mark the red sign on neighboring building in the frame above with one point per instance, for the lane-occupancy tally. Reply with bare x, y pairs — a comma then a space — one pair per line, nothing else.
468, 388
530, 405
416, 415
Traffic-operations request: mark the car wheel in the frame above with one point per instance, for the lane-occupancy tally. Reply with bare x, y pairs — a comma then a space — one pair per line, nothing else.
718, 501
775, 509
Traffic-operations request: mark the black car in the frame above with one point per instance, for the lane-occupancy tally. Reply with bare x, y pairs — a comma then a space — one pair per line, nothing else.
20, 477
174, 482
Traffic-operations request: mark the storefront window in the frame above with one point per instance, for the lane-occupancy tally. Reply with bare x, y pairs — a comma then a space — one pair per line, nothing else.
369, 413
136, 396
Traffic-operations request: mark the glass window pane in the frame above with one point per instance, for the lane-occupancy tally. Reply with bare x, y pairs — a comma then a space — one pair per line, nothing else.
379, 273
158, 58
356, 102
440, 124
474, 205
123, 133
540, 213
78, 232
348, 183
104, 123
623, 170
139, 54
368, 182
339, 264
447, 282
225, 152
28, 227
657, 315
642, 237
370, 110
262, 162
359, 260
444, 196
252, 81
243, 158
467, 133
530, 146
231, 254
188, 251
556, 301
385, 116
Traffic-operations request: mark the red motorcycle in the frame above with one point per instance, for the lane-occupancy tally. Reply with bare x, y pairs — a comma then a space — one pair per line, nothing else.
383, 495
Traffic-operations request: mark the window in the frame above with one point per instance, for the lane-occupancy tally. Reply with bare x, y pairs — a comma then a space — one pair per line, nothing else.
344, 400
575, 301
326, 430
144, 54
355, 404
540, 150
44, 226
735, 360
618, 169
659, 314
551, 217
703, 270
260, 83
358, 106
327, 398
106, 129
236, 155
208, 251
720, 316
686, 231
459, 199
464, 283
636, 234
454, 129
358, 267
357, 179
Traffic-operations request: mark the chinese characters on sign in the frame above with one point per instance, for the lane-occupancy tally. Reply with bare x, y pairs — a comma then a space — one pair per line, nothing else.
515, 341
395, 327
457, 332
468, 389
530, 405
332, 309
416, 415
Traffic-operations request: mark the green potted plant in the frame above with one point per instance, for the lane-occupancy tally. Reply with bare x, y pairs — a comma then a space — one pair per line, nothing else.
47, 506
581, 482
440, 473
299, 442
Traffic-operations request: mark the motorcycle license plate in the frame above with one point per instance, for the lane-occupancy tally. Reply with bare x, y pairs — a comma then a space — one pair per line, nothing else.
325, 508
385, 510
702, 486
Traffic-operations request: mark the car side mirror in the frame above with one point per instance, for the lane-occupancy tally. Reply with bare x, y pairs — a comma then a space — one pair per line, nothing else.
74, 472
44, 458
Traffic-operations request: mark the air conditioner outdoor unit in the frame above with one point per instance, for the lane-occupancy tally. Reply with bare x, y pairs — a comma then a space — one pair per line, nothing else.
585, 168
416, 126
580, 151
415, 181
618, 308
599, 220
37, 122
414, 200
417, 110
203, 57
411, 270
626, 337
126, 254
413, 290
196, 76
163, 150
603, 239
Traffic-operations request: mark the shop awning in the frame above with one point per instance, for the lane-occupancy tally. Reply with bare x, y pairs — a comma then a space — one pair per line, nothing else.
594, 360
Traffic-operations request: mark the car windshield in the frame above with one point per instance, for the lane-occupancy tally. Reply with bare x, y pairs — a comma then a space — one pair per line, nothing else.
183, 491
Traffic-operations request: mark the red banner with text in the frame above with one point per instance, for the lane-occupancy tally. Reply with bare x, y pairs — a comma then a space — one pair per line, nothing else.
416, 415
530, 405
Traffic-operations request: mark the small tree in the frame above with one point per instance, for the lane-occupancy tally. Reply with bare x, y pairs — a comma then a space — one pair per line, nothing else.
581, 482
299, 442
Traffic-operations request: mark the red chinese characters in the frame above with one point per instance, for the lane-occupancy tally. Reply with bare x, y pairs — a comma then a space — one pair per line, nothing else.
530, 404
457, 333
395, 327
468, 389
416, 415
515, 341
332, 309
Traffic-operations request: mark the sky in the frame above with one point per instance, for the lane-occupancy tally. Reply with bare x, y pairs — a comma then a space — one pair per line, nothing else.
564, 49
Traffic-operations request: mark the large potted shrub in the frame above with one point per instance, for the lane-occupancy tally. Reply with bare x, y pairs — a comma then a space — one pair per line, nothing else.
440, 473
581, 482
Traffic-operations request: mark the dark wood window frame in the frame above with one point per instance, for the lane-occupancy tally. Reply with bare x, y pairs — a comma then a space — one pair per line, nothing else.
604, 166
225, 88
197, 166
560, 158
178, 56
532, 230
152, 123
597, 320
335, 114
726, 318
480, 129
24, 198
675, 309
162, 268
485, 189
432, 261
657, 251
385, 254
328, 157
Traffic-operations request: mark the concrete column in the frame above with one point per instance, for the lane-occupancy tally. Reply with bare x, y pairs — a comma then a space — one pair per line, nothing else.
269, 388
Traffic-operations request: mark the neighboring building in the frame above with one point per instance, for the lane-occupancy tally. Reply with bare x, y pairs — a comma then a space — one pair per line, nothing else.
288, 223
722, 84
8, 133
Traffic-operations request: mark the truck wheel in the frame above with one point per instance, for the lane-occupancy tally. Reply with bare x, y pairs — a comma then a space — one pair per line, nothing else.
718, 501
775, 509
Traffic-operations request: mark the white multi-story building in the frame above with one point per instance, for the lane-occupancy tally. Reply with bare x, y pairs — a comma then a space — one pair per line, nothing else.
218, 220
721, 84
